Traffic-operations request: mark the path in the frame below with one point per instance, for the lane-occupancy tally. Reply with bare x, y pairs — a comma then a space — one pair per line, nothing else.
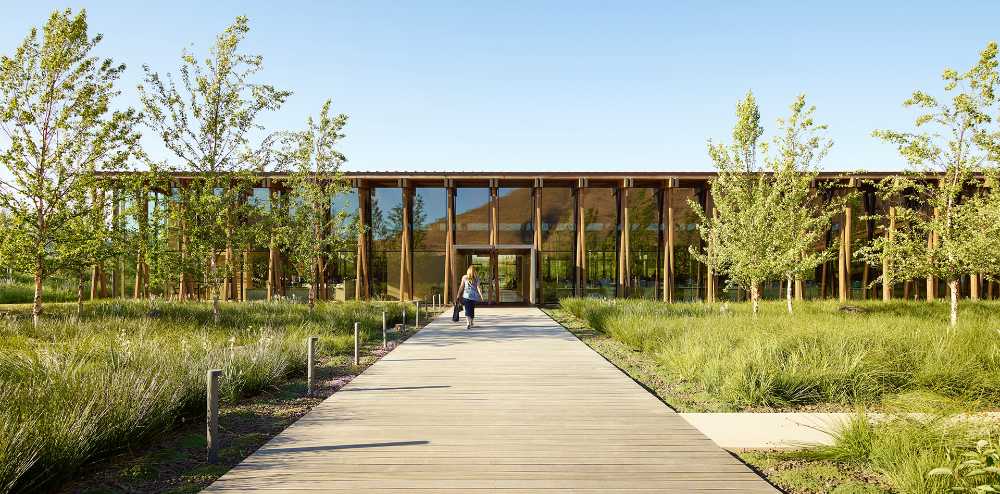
517, 404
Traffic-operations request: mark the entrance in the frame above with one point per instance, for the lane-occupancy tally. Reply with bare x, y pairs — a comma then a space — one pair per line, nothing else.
506, 273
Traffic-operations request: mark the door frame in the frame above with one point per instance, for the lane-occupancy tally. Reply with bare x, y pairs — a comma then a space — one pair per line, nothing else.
492, 251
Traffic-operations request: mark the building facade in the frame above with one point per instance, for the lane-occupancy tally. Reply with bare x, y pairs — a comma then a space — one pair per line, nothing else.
539, 237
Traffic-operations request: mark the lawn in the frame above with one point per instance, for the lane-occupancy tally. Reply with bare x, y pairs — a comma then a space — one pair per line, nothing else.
894, 358
74, 392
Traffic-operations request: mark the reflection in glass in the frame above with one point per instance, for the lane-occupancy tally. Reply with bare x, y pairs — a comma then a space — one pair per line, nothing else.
514, 207
472, 215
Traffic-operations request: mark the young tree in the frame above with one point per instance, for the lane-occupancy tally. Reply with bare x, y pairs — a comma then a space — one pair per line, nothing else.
740, 238
56, 117
307, 229
940, 219
87, 239
804, 216
209, 125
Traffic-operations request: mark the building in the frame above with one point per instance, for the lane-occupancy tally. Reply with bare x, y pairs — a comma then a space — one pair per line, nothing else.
537, 237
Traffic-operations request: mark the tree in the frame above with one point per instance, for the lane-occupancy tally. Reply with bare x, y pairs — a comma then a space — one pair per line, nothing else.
55, 113
940, 217
209, 125
308, 230
87, 239
740, 241
803, 217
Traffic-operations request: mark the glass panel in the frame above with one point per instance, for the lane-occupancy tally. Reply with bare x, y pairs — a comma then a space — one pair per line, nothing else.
472, 215
430, 225
387, 218
600, 218
428, 274
644, 239
689, 273
556, 276
515, 211
558, 228
341, 275
387, 228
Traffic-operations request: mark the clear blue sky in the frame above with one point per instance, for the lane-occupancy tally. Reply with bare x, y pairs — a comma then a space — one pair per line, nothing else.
530, 85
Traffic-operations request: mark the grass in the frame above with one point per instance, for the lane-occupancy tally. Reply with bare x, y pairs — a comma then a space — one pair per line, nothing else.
893, 454
74, 391
23, 292
818, 357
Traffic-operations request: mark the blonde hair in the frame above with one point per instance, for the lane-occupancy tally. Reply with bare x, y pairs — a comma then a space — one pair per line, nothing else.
471, 272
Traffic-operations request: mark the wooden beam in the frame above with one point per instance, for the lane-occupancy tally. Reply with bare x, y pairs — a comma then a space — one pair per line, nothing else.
887, 287
405, 254
667, 214
932, 281
624, 274
710, 294
581, 240
537, 234
449, 243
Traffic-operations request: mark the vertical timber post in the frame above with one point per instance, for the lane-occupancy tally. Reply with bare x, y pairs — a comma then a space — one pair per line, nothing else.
357, 348
406, 243
844, 257
886, 265
536, 238
212, 418
311, 365
581, 239
385, 340
668, 247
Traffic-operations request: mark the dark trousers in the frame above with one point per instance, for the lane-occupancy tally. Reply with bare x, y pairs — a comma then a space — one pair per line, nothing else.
470, 308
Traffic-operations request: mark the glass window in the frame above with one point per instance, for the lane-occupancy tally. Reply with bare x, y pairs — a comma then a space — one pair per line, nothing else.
386, 232
515, 212
430, 223
558, 228
688, 272
644, 241
556, 276
600, 218
472, 215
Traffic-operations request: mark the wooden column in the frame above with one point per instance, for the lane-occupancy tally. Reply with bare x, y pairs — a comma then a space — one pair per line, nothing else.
844, 257
117, 272
449, 241
537, 234
141, 271
581, 239
624, 274
362, 287
932, 281
710, 292
886, 265
494, 236
406, 241
974, 286
667, 216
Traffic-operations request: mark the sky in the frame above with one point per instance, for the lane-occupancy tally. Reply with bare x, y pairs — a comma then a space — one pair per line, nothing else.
558, 86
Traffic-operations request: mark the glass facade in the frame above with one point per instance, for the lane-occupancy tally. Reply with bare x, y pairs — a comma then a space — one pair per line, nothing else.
514, 208
472, 215
430, 227
644, 242
600, 220
495, 229
557, 258
386, 235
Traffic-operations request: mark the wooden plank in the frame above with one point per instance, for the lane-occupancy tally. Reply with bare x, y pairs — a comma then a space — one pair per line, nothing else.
516, 404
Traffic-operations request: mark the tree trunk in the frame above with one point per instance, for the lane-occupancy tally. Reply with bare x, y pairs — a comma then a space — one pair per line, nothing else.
36, 309
79, 296
755, 297
953, 286
788, 293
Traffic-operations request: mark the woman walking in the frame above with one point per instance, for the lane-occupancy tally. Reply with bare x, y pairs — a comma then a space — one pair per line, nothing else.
469, 291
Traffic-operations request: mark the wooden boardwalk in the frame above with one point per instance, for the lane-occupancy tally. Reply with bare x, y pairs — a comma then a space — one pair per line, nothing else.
517, 404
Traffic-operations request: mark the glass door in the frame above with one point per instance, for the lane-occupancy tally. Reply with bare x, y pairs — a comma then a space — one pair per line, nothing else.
513, 272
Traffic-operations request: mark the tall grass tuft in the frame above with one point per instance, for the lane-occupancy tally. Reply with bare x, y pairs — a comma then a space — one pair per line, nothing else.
818, 355
76, 391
